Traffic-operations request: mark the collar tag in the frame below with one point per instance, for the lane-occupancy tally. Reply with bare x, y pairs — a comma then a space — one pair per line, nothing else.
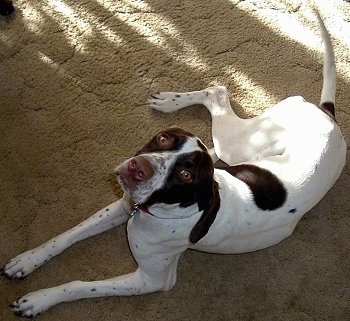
134, 209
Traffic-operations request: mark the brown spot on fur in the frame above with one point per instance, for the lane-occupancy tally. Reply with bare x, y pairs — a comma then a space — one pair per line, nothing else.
268, 191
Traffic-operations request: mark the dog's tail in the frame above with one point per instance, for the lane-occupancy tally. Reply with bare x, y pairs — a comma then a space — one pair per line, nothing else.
327, 103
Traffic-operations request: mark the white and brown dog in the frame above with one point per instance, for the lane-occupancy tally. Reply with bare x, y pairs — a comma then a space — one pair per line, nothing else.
280, 165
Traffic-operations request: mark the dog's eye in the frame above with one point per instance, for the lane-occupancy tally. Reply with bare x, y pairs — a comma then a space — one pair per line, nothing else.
163, 140
186, 175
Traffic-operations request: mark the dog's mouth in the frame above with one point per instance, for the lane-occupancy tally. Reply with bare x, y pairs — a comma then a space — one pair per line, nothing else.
125, 181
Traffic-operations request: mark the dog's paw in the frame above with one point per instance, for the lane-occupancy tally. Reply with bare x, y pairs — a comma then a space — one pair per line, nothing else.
166, 102
32, 304
23, 264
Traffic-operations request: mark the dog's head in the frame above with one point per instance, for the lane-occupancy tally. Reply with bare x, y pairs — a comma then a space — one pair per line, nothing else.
174, 167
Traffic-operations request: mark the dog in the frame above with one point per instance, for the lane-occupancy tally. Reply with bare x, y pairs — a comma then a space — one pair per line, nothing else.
279, 165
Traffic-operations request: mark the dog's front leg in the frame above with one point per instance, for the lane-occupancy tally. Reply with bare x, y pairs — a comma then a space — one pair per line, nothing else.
105, 219
129, 284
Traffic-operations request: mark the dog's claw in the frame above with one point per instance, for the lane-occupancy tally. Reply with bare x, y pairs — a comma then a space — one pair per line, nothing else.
16, 309
156, 96
166, 102
21, 276
7, 276
25, 263
32, 304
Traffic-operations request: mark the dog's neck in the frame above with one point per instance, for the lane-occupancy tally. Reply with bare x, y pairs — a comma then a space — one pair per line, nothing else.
165, 211
140, 207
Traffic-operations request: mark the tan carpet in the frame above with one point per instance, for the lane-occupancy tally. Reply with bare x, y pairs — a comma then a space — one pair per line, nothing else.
74, 78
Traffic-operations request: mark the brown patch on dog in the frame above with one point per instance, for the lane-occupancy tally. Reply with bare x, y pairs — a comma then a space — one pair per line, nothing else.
268, 191
329, 109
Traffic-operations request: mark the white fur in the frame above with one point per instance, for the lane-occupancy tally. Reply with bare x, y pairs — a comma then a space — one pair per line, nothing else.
294, 140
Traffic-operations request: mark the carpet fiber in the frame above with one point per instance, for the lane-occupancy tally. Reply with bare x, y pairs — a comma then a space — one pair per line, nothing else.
74, 79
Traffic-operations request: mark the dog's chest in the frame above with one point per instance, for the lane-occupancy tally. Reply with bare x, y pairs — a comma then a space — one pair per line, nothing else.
151, 237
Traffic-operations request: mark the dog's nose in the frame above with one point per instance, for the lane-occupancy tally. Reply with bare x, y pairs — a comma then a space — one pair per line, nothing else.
140, 168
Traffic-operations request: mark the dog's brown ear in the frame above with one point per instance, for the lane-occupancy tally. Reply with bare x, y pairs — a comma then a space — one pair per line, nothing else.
208, 199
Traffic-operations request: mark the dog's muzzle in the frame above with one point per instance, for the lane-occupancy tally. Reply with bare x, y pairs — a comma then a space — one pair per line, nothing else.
134, 171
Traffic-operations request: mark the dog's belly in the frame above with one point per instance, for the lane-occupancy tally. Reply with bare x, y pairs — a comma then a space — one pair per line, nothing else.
271, 133
245, 243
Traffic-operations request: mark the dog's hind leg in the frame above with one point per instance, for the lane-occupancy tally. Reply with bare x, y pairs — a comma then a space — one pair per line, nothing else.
226, 125
212, 97
105, 219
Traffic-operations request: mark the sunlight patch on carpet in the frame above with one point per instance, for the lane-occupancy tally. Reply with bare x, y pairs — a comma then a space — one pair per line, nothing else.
251, 93
157, 30
296, 21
